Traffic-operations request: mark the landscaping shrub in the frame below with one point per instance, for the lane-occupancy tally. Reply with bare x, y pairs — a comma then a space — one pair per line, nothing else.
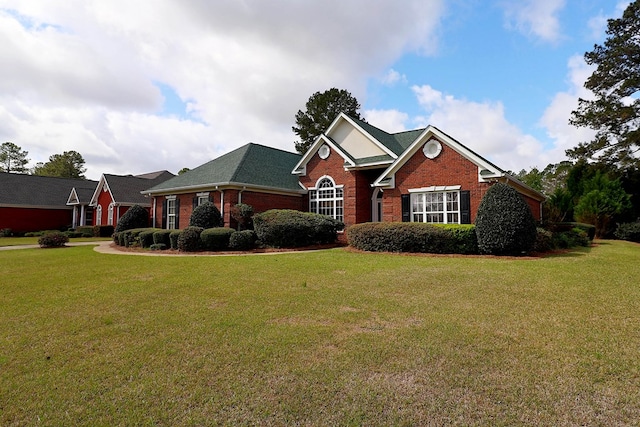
5, 232
162, 236
189, 239
284, 228
400, 237
173, 238
116, 238
628, 231
544, 240
504, 223
105, 230
86, 231
215, 239
145, 237
53, 239
463, 238
135, 217
158, 247
242, 240
243, 214
567, 226
73, 234
205, 216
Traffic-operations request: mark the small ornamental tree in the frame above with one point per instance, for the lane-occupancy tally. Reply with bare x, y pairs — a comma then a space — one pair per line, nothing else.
243, 214
135, 217
206, 215
504, 223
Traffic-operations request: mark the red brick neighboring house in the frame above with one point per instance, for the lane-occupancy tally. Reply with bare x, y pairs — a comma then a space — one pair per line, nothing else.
115, 194
36, 203
354, 172
358, 173
254, 174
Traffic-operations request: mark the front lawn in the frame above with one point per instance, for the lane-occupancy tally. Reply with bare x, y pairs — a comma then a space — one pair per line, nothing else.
324, 338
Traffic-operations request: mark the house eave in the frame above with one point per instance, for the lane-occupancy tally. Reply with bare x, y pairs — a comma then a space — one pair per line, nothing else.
215, 186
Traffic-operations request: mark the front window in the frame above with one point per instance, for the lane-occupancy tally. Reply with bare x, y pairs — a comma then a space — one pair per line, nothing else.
436, 207
203, 198
99, 215
110, 215
171, 214
327, 199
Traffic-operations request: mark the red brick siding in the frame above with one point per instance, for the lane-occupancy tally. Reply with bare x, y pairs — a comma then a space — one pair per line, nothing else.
259, 201
354, 198
449, 168
22, 220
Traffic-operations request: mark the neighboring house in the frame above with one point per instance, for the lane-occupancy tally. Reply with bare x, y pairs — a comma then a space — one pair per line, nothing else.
35, 203
115, 194
354, 172
253, 174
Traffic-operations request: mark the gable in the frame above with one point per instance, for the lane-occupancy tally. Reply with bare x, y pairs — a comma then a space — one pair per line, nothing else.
34, 190
353, 141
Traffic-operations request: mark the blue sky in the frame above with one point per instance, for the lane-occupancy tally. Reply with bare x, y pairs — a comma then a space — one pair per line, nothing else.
150, 85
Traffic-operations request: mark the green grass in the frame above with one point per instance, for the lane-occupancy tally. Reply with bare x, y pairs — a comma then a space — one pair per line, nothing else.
16, 241
324, 338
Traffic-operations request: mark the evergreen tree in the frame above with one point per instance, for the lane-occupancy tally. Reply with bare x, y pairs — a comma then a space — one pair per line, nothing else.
12, 158
615, 111
321, 110
69, 164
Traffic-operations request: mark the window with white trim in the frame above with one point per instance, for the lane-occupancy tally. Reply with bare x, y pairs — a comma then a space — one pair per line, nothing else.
202, 198
171, 213
327, 198
110, 215
436, 207
99, 215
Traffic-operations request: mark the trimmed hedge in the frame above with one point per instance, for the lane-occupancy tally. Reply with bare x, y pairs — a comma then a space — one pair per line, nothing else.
135, 217
145, 237
504, 222
86, 231
242, 240
628, 231
162, 237
215, 239
53, 239
173, 238
189, 239
463, 238
103, 230
401, 237
206, 215
285, 228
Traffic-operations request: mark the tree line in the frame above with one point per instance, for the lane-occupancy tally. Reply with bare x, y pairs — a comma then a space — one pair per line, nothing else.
69, 164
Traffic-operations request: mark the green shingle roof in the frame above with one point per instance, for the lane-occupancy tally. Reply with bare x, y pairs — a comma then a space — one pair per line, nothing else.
251, 165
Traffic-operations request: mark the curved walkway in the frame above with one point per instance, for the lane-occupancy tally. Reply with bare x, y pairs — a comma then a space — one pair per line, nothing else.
107, 247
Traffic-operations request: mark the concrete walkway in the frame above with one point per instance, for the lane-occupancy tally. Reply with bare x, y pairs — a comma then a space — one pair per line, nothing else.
107, 247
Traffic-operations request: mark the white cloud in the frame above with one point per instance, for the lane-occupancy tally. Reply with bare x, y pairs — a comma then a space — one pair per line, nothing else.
482, 127
388, 120
82, 72
556, 117
538, 18
598, 24
393, 77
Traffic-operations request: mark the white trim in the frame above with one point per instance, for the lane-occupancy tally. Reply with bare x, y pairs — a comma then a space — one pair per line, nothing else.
437, 188
370, 137
301, 167
337, 202
444, 212
375, 200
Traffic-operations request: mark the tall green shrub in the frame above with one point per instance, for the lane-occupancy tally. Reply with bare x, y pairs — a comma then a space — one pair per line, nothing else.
189, 239
216, 239
206, 215
135, 217
504, 223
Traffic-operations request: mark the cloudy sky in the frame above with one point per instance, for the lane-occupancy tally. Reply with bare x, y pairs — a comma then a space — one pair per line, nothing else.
145, 85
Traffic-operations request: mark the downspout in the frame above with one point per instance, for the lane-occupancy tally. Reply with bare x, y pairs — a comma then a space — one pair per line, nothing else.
153, 215
240, 194
221, 202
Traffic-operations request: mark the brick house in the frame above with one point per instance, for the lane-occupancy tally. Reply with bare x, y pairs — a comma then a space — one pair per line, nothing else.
115, 194
354, 172
253, 174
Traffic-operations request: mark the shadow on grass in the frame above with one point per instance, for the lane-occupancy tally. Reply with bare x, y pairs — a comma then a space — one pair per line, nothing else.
576, 252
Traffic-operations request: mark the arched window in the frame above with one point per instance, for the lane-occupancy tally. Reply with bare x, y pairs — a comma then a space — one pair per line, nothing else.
99, 215
327, 198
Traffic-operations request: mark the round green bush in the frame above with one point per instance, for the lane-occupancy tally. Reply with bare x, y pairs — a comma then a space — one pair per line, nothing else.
173, 238
189, 239
215, 239
135, 217
504, 223
53, 239
162, 236
242, 240
206, 216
